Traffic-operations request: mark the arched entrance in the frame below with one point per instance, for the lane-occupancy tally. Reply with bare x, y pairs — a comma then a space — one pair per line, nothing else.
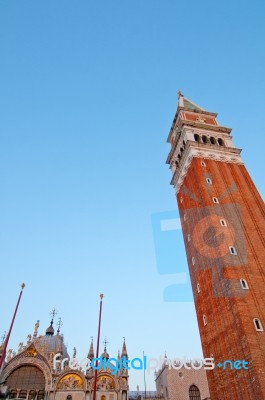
26, 382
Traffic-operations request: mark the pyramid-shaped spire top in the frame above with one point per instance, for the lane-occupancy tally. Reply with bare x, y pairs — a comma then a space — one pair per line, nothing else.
124, 349
91, 350
188, 104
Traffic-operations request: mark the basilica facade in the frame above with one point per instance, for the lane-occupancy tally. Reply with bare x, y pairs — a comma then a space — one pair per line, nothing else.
31, 373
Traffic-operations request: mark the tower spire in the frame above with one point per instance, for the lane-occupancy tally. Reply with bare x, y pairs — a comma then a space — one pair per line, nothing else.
91, 350
124, 349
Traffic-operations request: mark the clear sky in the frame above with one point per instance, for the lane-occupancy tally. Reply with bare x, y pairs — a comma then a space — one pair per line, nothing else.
87, 97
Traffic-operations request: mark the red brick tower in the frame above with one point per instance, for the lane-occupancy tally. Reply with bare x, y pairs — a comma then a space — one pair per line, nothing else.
222, 216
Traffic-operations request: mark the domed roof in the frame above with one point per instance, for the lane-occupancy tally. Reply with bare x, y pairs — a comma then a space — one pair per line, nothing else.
50, 329
105, 354
51, 344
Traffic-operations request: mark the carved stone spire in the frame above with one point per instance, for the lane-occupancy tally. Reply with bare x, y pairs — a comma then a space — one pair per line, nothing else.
91, 350
124, 349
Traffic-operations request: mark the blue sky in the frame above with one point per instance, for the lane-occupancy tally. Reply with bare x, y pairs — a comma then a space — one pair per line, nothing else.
87, 97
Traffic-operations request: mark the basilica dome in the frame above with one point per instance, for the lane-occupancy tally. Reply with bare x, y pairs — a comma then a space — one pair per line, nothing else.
51, 344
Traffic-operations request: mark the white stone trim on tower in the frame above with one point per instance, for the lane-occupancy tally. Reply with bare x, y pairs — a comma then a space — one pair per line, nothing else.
224, 154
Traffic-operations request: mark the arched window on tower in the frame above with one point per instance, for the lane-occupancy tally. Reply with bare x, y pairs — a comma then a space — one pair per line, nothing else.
212, 140
194, 393
220, 142
196, 137
204, 139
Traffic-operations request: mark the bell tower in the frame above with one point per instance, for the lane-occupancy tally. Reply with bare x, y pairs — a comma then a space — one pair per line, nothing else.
222, 216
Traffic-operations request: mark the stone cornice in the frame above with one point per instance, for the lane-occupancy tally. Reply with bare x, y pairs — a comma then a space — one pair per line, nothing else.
203, 129
208, 127
203, 151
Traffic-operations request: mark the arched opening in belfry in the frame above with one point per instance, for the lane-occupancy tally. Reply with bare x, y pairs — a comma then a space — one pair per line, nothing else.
212, 140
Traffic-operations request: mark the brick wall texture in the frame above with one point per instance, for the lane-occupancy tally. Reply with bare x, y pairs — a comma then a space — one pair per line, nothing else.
226, 311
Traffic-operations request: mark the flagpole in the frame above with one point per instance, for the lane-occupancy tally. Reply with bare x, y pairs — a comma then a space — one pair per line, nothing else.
97, 351
144, 381
3, 356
